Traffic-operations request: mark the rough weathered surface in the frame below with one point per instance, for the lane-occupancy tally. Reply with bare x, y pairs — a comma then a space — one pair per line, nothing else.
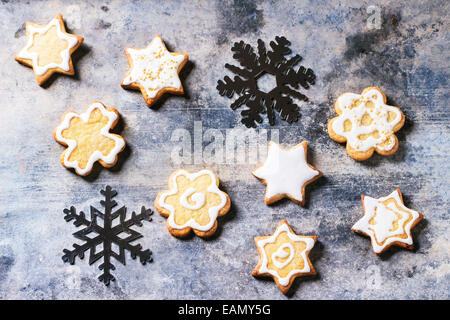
408, 57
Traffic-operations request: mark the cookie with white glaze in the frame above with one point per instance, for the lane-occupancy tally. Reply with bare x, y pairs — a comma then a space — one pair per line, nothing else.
284, 256
192, 203
366, 123
49, 49
88, 138
286, 173
387, 221
154, 70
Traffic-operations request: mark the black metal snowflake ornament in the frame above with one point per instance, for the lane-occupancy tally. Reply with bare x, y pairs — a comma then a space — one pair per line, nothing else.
93, 235
245, 83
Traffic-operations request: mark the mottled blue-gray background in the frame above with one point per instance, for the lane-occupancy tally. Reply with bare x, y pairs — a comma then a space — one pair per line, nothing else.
408, 57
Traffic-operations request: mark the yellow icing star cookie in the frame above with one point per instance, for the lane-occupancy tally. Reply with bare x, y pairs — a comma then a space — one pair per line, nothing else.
193, 202
284, 256
154, 70
366, 123
49, 49
88, 138
387, 222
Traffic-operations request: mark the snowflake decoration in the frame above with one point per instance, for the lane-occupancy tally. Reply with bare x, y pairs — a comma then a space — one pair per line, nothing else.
107, 235
245, 83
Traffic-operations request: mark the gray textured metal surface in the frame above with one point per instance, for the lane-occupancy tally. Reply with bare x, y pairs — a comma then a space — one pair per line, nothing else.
408, 57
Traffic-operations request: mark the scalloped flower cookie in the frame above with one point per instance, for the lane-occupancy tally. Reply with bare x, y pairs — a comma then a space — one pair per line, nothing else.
366, 123
88, 139
49, 49
387, 222
154, 70
284, 256
193, 202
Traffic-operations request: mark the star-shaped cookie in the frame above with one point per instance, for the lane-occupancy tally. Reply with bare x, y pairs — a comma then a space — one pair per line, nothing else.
154, 70
387, 222
49, 49
286, 173
284, 256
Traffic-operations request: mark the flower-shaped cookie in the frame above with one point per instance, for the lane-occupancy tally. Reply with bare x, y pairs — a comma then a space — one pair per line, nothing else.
387, 222
366, 123
284, 256
193, 202
48, 49
154, 70
88, 138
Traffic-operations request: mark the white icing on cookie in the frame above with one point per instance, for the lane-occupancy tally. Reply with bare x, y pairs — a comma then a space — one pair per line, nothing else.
198, 198
282, 253
382, 233
285, 171
154, 68
284, 281
65, 54
379, 114
96, 155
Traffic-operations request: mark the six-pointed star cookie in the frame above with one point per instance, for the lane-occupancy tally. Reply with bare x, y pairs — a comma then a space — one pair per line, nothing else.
48, 49
286, 173
387, 222
284, 256
154, 70
88, 139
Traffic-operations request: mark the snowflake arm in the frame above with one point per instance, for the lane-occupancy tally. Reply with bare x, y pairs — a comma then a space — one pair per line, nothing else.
262, 53
240, 71
70, 255
289, 111
280, 49
288, 64
251, 116
245, 55
305, 77
124, 226
80, 219
240, 101
288, 91
229, 87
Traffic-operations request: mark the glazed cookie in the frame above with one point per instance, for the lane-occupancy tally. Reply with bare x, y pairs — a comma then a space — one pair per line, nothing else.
387, 222
286, 173
154, 70
193, 202
88, 138
284, 256
49, 49
366, 123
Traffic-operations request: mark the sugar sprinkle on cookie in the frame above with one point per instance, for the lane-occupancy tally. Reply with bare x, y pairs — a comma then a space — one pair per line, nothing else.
366, 123
154, 70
